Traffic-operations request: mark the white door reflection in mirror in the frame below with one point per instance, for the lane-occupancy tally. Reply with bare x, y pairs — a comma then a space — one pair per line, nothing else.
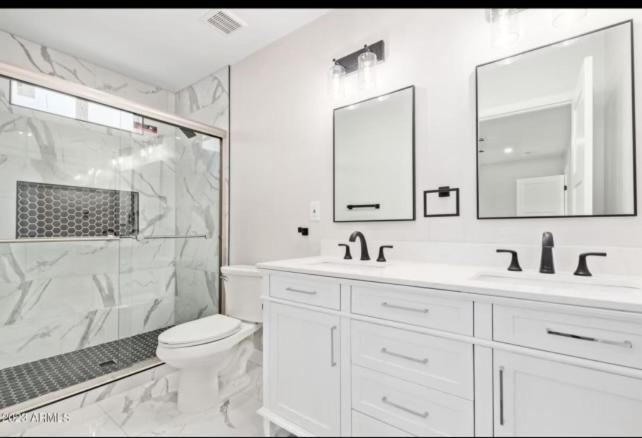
541, 196
581, 153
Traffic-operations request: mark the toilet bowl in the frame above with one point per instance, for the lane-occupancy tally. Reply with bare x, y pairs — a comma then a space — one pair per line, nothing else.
202, 348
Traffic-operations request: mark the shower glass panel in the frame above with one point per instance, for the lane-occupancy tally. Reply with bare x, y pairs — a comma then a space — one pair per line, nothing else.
170, 273
109, 234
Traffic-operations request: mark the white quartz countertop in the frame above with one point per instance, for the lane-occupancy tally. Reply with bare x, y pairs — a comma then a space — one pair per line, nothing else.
600, 291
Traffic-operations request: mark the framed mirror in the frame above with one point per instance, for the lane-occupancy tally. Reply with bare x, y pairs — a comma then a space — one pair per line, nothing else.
555, 129
374, 159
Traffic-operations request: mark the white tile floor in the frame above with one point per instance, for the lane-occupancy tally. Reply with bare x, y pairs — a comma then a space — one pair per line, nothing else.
150, 410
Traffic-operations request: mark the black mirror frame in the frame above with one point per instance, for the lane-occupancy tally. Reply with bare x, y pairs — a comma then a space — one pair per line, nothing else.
634, 164
414, 182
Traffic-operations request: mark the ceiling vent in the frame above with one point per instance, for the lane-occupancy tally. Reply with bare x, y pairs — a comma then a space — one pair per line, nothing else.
224, 21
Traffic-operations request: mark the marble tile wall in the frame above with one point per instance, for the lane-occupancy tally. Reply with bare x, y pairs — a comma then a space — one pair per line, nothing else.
208, 100
197, 261
59, 297
38, 57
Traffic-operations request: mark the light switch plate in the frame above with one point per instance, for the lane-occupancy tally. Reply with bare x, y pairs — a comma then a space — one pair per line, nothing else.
315, 211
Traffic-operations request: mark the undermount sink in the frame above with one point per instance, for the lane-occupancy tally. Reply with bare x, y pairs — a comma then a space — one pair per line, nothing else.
340, 263
558, 281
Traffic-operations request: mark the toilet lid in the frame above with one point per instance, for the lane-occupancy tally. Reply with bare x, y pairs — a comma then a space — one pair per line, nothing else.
200, 331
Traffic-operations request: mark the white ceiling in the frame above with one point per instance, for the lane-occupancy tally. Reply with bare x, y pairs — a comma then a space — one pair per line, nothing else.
529, 135
171, 48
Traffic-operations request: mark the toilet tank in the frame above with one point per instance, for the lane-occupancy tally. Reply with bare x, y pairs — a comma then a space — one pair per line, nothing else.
242, 289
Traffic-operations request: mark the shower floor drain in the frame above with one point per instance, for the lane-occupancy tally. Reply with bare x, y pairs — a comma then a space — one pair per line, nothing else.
33, 379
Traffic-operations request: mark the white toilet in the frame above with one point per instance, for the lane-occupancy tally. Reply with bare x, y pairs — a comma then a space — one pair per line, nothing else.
202, 348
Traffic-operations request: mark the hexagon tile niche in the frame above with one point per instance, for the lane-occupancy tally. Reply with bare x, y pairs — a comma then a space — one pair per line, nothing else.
51, 210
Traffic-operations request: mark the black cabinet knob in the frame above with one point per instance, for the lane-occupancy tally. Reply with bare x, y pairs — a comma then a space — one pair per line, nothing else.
381, 257
514, 262
582, 267
347, 255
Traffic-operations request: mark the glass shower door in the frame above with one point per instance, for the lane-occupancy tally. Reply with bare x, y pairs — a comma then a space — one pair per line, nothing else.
59, 249
170, 273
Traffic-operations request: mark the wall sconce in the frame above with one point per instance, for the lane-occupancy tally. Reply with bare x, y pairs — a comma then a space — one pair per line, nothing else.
564, 18
336, 74
363, 61
505, 26
366, 62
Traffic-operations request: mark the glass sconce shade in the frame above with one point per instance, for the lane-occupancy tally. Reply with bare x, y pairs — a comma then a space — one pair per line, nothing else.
505, 27
366, 63
564, 18
336, 74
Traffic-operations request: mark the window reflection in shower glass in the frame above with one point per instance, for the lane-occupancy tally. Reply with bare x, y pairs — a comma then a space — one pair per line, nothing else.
53, 102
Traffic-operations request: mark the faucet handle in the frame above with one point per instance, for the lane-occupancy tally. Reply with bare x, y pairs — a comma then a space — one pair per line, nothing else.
582, 267
381, 257
347, 255
514, 262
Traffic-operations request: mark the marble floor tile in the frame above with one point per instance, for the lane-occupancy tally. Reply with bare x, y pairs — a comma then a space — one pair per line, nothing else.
150, 410
88, 421
235, 417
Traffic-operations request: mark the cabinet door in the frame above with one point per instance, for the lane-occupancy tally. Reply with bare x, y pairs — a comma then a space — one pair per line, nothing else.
541, 397
303, 373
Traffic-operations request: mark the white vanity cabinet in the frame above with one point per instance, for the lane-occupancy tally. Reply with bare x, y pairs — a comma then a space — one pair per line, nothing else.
303, 359
539, 397
357, 358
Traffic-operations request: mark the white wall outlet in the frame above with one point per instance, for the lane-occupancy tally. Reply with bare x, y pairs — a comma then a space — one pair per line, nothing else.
315, 211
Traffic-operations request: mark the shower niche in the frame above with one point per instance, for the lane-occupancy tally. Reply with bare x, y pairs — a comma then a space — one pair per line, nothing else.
53, 210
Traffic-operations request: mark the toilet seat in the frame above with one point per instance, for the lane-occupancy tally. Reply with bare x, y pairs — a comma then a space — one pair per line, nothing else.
198, 332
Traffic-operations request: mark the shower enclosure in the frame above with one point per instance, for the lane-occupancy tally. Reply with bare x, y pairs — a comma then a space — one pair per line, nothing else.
110, 232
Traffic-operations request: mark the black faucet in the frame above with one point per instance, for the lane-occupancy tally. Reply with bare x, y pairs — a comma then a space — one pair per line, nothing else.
347, 255
546, 262
362, 241
582, 267
514, 261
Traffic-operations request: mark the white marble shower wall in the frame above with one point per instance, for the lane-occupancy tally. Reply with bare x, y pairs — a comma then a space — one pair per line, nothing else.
56, 298
207, 100
148, 267
197, 188
197, 260
38, 57
60, 297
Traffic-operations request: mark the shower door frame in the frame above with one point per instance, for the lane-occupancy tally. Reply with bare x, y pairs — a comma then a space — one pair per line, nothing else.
97, 96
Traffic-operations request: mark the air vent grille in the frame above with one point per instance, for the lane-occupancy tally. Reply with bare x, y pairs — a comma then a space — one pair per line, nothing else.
224, 21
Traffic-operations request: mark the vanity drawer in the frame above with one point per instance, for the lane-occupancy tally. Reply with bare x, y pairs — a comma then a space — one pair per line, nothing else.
362, 425
410, 407
599, 335
307, 289
423, 307
431, 361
